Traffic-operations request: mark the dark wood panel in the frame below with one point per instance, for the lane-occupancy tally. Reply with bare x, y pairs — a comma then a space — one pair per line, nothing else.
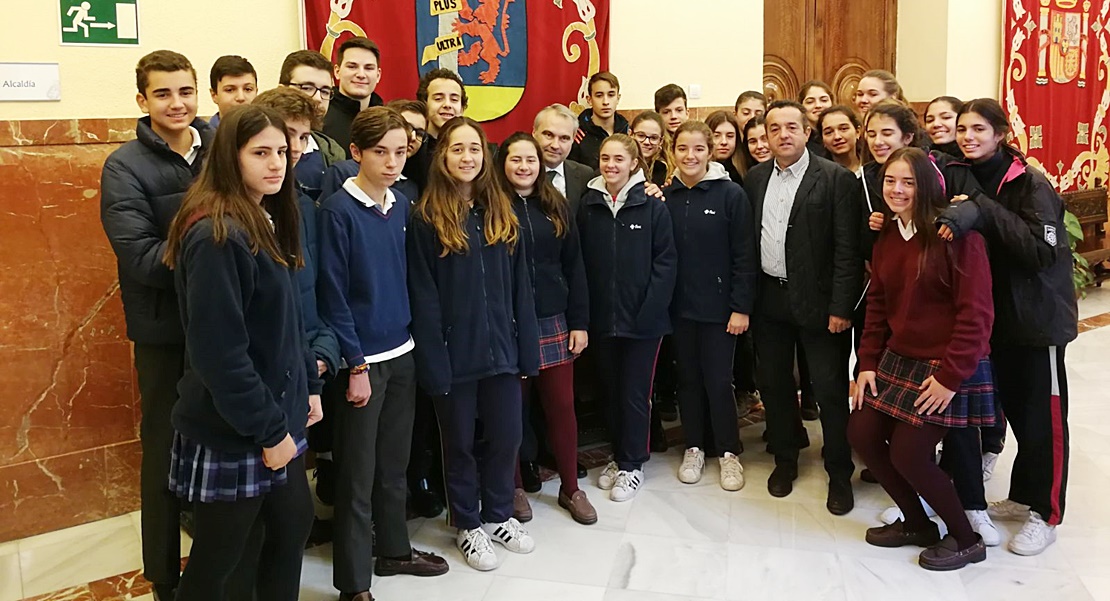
786, 50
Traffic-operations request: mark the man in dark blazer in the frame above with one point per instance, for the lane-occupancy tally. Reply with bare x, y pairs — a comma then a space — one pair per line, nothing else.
807, 219
554, 129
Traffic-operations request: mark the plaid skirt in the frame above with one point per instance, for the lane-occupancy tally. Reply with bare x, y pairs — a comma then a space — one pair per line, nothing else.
554, 341
198, 473
898, 380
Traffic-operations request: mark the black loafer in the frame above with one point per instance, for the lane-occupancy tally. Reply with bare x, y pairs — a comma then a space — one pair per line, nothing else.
530, 476
781, 482
841, 500
581, 471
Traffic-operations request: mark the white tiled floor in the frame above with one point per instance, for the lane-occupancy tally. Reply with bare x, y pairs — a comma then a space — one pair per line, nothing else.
677, 542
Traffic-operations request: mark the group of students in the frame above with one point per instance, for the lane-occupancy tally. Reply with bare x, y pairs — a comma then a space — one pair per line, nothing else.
320, 254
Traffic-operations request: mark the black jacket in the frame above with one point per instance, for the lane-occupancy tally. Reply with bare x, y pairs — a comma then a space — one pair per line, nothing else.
816, 145
341, 112
141, 188
1031, 261
713, 234
578, 177
248, 368
823, 261
557, 273
473, 315
631, 263
587, 141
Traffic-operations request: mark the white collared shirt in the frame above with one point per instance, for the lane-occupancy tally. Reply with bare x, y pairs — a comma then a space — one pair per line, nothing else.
195, 150
310, 146
352, 188
560, 179
778, 202
907, 231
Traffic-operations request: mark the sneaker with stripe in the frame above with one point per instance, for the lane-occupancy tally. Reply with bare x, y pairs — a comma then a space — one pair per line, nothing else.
511, 535
477, 549
626, 485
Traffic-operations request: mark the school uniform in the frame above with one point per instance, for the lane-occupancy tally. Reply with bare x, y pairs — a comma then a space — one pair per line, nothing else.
364, 297
629, 253
342, 111
141, 188
248, 375
319, 154
474, 323
1022, 218
588, 139
339, 173
716, 277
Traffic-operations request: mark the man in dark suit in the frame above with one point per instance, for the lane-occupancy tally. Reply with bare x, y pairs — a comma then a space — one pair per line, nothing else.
554, 129
806, 211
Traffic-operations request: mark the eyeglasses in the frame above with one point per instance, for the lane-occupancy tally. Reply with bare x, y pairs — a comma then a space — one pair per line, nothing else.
418, 134
311, 90
642, 137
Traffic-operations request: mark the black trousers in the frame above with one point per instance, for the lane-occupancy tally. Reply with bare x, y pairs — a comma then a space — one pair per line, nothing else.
704, 353
743, 364
962, 459
159, 368
777, 337
665, 383
994, 437
223, 533
1032, 384
628, 366
371, 456
479, 475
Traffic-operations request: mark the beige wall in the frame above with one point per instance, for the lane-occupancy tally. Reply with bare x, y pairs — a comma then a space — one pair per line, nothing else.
717, 44
100, 82
949, 47
922, 54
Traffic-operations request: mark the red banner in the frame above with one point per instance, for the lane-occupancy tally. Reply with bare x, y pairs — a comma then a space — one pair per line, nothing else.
1055, 87
515, 56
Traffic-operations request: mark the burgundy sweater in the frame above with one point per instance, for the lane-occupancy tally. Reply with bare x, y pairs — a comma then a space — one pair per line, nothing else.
945, 314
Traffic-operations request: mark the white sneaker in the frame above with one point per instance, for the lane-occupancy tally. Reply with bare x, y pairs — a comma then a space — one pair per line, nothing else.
626, 485
511, 535
732, 473
608, 476
477, 549
981, 523
989, 461
1008, 510
1035, 536
693, 464
893, 514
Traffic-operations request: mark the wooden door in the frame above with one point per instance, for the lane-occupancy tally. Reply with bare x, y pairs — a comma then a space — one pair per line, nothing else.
835, 41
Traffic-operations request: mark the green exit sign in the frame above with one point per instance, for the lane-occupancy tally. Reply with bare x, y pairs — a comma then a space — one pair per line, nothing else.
99, 22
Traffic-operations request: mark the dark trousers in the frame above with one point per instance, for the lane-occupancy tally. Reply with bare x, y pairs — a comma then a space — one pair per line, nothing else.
159, 368
321, 436
743, 364
424, 453
962, 459
777, 337
1033, 387
994, 437
900, 456
665, 383
554, 389
480, 474
704, 352
223, 530
628, 366
370, 494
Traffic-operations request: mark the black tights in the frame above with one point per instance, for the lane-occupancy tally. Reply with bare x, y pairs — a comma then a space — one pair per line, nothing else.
223, 530
900, 456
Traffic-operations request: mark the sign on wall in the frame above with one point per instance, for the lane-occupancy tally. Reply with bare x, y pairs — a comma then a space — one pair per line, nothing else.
99, 22
22, 82
515, 56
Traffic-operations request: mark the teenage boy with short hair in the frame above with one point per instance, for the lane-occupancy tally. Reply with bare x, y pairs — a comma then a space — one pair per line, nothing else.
358, 71
310, 72
443, 93
599, 121
141, 188
670, 102
234, 82
412, 111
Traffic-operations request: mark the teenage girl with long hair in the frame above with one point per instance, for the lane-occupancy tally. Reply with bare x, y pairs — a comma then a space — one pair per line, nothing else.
474, 323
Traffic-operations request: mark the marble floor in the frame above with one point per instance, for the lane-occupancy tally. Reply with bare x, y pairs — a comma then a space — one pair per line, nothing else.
687, 542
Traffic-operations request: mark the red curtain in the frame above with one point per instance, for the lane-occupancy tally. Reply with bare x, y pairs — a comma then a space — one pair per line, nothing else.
1055, 87
516, 56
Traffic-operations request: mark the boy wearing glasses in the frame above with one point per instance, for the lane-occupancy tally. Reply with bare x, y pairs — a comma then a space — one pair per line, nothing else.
358, 70
310, 72
599, 121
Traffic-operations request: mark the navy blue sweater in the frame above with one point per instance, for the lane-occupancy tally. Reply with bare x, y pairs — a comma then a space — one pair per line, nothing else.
321, 339
473, 313
362, 290
630, 260
555, 264
248, 369
344, 170
713, 234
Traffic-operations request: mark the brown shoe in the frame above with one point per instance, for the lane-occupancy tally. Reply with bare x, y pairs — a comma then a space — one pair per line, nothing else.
419, 564
896, 535
946, 555
364, 596
522, 509
579, 507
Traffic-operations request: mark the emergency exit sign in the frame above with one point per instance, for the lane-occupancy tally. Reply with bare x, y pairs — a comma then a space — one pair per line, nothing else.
99, 22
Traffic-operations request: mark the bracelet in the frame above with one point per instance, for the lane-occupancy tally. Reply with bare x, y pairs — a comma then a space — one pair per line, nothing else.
360, 369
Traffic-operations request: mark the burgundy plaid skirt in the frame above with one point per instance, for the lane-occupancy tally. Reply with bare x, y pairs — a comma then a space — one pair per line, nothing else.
554, 341
899, 378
